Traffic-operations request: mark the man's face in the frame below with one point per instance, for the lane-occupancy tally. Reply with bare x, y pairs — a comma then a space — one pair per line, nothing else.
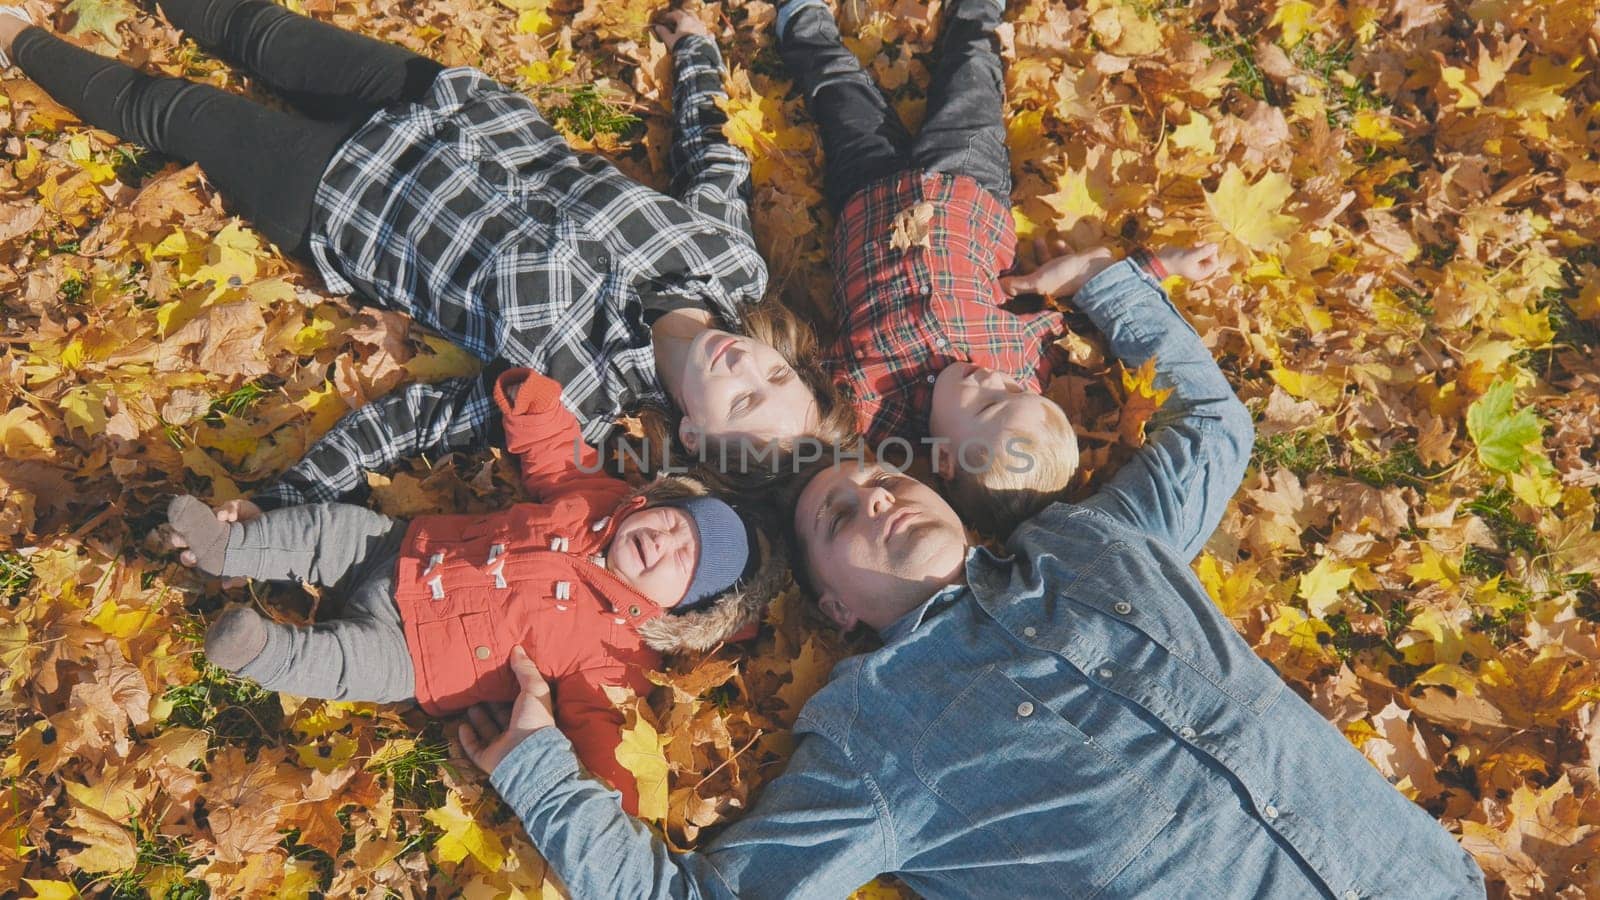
876, 543
735, 386
656, 551
977, 410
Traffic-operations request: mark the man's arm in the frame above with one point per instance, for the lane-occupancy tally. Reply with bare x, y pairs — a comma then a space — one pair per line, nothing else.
446, 416
1198, 443
818, 830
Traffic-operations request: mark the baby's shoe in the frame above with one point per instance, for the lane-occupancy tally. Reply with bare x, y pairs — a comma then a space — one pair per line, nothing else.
236, 638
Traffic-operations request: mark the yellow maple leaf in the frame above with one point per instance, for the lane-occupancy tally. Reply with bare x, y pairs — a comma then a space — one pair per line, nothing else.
464, 837
1296, 19
1321, 587
1253, 213
52, 890
641, 753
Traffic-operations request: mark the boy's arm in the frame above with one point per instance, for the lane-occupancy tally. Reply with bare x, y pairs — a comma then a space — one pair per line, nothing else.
1198, 443
709, 175
446, 416
816, 831
545, 435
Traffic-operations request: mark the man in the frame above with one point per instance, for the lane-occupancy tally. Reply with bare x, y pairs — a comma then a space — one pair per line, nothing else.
1073, 719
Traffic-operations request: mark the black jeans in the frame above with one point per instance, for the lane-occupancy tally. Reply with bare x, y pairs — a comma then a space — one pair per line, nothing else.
267, 163
863, 139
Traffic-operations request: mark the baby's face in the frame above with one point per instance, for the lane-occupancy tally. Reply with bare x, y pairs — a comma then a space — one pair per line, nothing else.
656, 551
978, 410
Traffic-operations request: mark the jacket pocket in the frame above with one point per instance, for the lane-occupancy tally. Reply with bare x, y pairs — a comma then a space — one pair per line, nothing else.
458, 656
1042, 791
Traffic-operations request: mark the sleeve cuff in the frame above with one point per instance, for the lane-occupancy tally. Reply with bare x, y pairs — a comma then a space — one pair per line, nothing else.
543, 760
1150, 263
535, 393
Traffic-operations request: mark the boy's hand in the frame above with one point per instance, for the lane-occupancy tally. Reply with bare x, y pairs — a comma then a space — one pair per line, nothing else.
1193, 264
240, 510
676, 24
491, 732
1058, 277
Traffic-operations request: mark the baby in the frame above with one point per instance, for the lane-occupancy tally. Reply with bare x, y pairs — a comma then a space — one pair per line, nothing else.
593, 581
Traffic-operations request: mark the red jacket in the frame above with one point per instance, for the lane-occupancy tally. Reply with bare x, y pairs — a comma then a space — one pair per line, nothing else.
471, 587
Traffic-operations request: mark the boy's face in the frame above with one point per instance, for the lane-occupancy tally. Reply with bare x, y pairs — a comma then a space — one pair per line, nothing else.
978, 410
735, 386
656, 550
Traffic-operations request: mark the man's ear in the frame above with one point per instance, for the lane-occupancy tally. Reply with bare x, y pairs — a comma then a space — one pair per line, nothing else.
835, 609
944, 463
689, 434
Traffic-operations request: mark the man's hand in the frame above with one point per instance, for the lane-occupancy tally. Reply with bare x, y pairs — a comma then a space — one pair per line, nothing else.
1060, 276
240, 510
677, 23
1193, 264
491, 731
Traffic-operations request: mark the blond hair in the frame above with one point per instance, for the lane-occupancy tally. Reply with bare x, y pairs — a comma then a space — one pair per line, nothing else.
998, 499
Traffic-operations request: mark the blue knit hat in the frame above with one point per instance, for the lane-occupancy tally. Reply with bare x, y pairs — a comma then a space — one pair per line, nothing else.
724, 549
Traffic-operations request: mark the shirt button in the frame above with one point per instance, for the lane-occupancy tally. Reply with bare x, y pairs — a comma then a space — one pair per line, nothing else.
1186, 733
1030, 631
931, 379
1024, 709
941, 343
602, 260
1122, 607
481, 653
1105, 673
1351, 895
1270, 811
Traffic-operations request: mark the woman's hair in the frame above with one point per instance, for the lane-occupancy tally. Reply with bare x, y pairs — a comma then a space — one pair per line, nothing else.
773, 324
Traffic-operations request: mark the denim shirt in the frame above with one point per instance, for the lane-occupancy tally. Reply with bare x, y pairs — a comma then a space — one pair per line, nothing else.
1078, 719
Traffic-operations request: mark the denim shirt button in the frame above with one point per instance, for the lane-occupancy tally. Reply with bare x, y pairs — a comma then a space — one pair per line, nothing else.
1270, 811
1122, 607
1105, 673
1186, 733
1024, 709
1351, 895
1030, 631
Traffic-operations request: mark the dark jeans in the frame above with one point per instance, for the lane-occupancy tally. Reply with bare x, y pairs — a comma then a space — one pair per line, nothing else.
267, 163
863, 139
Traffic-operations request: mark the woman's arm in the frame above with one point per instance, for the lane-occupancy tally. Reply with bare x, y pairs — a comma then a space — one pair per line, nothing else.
708, 174
438, 418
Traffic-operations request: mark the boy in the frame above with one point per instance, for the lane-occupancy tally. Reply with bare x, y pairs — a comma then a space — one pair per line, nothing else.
924, 346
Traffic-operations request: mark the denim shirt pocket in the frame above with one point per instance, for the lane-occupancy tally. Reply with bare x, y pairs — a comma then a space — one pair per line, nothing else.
1038, 789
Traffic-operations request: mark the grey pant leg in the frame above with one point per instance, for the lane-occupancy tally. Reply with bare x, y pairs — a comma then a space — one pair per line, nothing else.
362, 655
316, 542
359, 655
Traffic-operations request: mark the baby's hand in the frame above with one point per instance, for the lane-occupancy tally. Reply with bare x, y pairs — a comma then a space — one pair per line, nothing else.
1193, 264
1060, 276
676, 24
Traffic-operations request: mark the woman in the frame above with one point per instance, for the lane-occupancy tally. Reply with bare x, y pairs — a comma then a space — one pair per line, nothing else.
439, 193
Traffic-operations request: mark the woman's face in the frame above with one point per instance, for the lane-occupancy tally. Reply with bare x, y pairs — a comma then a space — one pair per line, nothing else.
737, 388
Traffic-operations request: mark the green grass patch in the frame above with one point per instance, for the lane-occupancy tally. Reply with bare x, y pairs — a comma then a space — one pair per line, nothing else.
227, 707
16, 574
415, 773
1301, 452
156, 851
1493, 506
237, 401
586, 113
1400, 465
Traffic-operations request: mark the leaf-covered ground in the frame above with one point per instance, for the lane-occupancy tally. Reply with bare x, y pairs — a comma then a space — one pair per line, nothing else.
1407, 190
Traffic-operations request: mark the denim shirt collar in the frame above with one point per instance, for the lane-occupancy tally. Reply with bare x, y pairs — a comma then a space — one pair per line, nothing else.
981, 568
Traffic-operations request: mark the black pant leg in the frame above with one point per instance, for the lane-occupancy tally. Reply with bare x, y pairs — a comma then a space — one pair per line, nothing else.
267, 163
325, 71
863, 138
965, 131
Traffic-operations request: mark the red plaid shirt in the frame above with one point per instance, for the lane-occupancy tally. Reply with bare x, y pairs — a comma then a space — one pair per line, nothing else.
906, 315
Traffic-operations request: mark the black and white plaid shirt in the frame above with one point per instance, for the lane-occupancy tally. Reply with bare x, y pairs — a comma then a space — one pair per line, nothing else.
469, 212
